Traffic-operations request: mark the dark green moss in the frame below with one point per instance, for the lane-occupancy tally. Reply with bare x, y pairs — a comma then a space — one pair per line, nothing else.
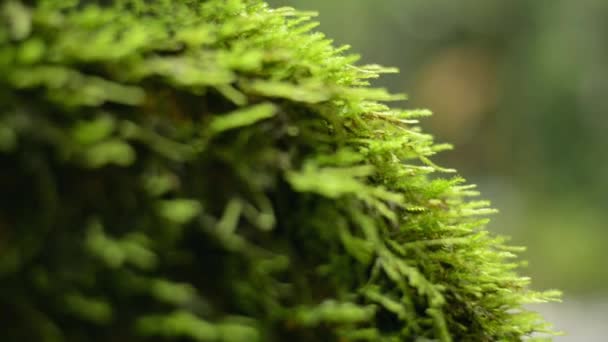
213, 171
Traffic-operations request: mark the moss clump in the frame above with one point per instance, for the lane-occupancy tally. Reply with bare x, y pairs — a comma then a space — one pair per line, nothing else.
213, 171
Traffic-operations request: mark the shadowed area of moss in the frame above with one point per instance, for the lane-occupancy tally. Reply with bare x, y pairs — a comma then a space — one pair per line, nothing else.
215, 171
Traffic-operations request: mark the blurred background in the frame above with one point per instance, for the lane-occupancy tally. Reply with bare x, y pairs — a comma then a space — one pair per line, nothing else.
521, 89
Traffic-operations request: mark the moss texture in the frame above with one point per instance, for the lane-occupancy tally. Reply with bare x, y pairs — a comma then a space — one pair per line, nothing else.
216, 171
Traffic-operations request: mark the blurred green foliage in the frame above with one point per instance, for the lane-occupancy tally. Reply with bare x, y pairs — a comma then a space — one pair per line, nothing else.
519, 86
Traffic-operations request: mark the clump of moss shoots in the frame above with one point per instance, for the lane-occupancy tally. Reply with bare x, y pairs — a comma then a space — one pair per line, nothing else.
217, 171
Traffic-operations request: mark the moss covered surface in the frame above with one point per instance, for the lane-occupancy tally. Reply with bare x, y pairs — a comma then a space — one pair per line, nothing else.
216, 171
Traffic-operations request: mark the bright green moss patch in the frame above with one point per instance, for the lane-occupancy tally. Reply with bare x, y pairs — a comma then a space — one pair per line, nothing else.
215, 171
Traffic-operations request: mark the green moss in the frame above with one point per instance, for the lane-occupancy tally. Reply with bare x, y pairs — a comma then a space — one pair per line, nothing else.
215, 171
